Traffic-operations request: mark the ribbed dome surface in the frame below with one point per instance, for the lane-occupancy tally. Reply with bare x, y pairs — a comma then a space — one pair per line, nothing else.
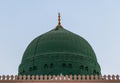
59, 51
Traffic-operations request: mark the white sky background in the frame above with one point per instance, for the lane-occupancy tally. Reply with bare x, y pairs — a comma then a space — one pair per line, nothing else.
98, 21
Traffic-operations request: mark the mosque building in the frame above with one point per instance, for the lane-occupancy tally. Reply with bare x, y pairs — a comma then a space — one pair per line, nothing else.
59, 55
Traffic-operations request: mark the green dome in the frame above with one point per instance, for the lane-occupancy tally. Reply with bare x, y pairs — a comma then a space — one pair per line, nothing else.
59, 51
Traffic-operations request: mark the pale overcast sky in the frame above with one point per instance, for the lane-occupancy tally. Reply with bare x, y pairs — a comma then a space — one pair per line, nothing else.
98, 21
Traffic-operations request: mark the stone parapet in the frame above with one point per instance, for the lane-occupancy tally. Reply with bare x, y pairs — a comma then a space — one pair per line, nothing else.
59, 79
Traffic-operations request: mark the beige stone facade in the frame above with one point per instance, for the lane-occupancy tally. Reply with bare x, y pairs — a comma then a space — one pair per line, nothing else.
60, 79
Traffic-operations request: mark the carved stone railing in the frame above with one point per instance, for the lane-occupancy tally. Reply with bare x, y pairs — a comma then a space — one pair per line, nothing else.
61, 78
53, 77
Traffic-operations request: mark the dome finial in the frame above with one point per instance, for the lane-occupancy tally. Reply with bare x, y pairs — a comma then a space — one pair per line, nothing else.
59, 23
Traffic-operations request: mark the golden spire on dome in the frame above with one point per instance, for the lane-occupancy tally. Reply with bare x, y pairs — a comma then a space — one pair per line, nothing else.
59, 23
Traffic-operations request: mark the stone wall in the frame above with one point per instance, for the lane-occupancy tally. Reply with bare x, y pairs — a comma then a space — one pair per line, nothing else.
59, 79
